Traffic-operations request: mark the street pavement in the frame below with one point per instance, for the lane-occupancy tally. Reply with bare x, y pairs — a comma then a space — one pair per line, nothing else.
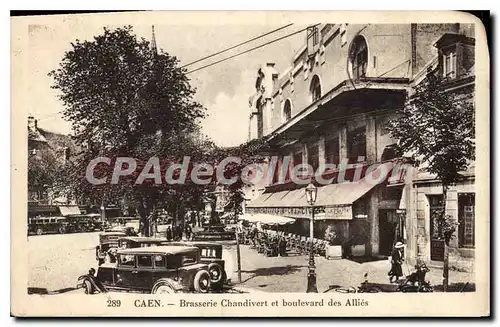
289, 274
56, 261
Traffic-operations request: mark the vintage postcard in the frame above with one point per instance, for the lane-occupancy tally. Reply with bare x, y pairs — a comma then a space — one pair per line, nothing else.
252, 164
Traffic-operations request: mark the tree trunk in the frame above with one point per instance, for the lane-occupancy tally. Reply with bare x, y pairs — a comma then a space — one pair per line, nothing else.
213, 213
446, 255
142, 214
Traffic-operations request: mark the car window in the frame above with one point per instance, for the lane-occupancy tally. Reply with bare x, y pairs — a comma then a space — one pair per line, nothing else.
208, 253
188, 259
144, 261
159, 261
127, 260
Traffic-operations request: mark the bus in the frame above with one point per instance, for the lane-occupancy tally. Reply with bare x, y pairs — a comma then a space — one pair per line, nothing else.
47, 225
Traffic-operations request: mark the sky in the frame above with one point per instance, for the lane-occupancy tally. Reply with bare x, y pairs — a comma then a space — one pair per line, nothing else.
224, 89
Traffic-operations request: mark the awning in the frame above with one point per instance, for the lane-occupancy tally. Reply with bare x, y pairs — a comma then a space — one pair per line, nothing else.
259, 200
69, 210
347, 193
337, 199
266, 219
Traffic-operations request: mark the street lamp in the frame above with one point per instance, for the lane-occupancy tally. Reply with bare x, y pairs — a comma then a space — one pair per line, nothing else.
311, 193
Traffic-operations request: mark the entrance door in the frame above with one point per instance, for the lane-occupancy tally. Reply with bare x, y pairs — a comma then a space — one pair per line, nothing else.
437, 242
386, 231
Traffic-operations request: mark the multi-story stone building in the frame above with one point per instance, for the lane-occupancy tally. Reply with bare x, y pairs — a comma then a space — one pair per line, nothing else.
46, 150
332, 106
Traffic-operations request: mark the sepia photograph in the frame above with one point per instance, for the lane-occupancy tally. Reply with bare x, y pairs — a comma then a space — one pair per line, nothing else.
217, 163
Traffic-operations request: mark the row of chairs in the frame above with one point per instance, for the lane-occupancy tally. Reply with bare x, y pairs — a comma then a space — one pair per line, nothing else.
273, 243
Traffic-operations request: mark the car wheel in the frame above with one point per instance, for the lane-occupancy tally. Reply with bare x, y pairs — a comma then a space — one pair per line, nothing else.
164, 289
39, 231
202, 281
216, 272
87, 286
62, 230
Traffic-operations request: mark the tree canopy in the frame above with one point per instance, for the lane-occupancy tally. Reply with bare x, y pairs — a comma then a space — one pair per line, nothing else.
125, 99
437, 125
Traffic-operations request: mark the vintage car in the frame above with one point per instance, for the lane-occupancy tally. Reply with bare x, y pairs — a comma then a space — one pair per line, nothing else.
132, 242
155, 270
107, 241
211, 254
128, 230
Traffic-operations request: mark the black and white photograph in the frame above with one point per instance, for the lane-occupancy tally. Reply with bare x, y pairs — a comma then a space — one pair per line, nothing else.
172, 165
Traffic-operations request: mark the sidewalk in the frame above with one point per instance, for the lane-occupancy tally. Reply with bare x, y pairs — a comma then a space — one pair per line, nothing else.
289, 274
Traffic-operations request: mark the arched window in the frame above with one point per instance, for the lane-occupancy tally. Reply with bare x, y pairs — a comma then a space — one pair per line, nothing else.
315, 88
287, 110
359, 57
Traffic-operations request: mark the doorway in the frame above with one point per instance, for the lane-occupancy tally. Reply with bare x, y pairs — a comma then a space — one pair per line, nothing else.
437, 240
387, 230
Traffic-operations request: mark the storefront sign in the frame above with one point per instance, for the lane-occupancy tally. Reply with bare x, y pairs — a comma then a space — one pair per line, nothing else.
296, 212
339, 212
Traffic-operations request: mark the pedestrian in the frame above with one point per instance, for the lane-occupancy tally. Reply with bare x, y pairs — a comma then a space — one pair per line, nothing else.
178, 233
188, 232
169, 233
396, 262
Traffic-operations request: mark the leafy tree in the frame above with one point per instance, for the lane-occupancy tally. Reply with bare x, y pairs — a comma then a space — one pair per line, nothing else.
124, 99
437, 125
42, 171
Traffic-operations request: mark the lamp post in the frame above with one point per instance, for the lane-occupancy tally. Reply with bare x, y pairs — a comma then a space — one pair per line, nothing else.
311, 193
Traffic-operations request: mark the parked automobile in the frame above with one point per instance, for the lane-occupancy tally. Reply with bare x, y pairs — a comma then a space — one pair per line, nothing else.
127, 230
211, 254
132, 242
107, 241
155, 270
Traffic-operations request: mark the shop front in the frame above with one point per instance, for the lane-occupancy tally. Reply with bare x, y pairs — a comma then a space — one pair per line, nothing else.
361, 214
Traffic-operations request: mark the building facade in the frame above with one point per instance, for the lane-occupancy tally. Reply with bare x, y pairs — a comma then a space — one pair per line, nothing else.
46, 152
330, 109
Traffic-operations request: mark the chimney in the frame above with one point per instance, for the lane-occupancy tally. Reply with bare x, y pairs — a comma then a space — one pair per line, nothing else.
31, 123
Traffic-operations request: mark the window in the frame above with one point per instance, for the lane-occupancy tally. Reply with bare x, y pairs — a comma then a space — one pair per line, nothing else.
449, 63
312, 36
391, 193
287, 110
436, 207
359, 57
188, 259
260, 120
159, 261
356, 145
208, 253
127, 260
145, 261
313, 157
315, 89
466, 220
332, 151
